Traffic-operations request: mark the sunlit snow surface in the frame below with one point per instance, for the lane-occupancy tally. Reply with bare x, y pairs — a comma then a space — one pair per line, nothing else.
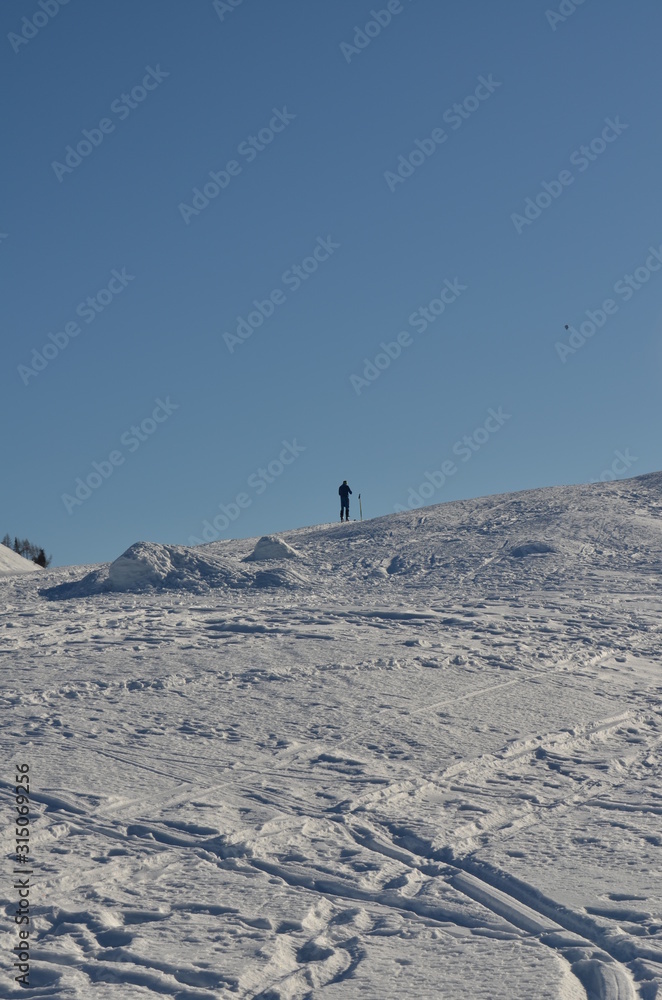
11, 563
414, 757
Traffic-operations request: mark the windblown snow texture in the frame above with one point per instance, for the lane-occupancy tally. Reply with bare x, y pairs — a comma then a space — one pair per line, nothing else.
413, 757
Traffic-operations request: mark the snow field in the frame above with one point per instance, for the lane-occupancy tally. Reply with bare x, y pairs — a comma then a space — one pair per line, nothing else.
418, 758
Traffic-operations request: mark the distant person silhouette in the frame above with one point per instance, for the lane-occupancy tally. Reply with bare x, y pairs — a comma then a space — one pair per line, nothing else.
344, 492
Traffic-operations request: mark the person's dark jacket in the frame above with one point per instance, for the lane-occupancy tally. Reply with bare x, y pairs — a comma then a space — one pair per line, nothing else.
344, 492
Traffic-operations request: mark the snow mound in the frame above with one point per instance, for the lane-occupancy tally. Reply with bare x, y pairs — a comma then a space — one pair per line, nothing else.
272, 547
148, 566
151, 566
11, 563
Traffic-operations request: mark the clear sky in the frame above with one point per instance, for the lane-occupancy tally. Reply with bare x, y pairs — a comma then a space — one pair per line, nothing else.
362, 175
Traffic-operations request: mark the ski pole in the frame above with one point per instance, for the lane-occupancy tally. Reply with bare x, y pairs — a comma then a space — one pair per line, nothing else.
360, 508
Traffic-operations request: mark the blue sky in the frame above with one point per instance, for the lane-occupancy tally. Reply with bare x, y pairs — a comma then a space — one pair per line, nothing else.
376, 161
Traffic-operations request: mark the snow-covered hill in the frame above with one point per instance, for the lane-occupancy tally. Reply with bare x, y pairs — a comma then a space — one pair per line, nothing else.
567, 538
413, 757
11, 563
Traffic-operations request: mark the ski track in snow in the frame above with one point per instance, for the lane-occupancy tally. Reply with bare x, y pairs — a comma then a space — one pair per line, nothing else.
412, 757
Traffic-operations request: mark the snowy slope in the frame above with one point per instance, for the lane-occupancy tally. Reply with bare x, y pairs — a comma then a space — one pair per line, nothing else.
413, 757
11, 563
